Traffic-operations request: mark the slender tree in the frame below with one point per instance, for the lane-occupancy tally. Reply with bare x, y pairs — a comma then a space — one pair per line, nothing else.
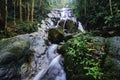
85, 7
6, 14
20, 10
110, 7
32, 12
40, 3
28, 11
14, 1
2, 14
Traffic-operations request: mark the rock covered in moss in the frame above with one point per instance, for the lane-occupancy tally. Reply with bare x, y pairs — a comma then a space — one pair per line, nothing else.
13, 48
56, 35
69, 25
113, 46
111, 65
105, 50
13, 52
80, 52
111, 68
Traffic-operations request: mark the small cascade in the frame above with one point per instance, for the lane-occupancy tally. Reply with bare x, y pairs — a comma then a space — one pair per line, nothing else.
54, 70
80, 27
51, 52
46, 63
67, 14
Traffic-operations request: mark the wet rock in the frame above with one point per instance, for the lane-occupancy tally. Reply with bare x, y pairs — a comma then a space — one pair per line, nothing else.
56, 35
68, 36
68, 25
113, 46
13, 52
54, 71
9, 72
35, 62
3, 71
111, 65
99, 45
111, 68
13, 49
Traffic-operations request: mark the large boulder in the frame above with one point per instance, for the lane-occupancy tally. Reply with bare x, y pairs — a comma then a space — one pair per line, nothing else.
69, 25
105, 50
76, 50
14, 48
111, 68
113, 46
13, 52
111, 65
110, 62
56, 35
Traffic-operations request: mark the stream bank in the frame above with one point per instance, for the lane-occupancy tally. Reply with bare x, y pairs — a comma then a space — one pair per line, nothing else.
36, 55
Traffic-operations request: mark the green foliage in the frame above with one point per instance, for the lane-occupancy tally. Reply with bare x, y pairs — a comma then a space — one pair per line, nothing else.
79, 59
98, 15
26, 27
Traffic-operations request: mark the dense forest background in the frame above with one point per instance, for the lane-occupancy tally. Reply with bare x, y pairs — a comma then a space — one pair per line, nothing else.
22, 16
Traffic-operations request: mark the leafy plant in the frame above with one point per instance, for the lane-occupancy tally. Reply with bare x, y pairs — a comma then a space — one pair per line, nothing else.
79, 59
26, 27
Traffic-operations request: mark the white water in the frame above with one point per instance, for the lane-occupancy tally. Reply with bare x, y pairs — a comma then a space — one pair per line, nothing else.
54, 67
66, 14
51, 52
55, 70
80, 27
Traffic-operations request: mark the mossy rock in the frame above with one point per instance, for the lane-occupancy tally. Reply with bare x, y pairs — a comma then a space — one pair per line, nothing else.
111, 68
72, 59
99, 42
69, 26
14, 49
113, 46
13, 53
56, 35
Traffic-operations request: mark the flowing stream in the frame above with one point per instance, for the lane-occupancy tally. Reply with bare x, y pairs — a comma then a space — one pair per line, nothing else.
47, 62
54, 71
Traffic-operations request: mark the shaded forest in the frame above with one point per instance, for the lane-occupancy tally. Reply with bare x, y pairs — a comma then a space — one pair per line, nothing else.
59, 39
22, 16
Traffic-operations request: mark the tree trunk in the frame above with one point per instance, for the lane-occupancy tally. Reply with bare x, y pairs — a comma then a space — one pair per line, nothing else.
40, 3
14, 13
32, 12
6, 14
2, 14
110, 7
28, 12
20, 10
85, 7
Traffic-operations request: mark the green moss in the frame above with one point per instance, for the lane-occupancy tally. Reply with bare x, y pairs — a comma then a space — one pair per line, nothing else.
111, 68
14, 49
56, 35
80, 61
5, 43
19, 49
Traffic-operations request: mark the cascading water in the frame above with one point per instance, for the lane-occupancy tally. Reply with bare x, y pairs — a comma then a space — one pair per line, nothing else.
54, 70
66, 14
46, 63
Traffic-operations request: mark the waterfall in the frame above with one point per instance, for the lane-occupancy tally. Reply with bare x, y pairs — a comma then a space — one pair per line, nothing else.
53, 68
66, 14
80, 27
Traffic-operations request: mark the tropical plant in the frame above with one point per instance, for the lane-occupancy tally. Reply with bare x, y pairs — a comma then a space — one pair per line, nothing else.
79, 60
